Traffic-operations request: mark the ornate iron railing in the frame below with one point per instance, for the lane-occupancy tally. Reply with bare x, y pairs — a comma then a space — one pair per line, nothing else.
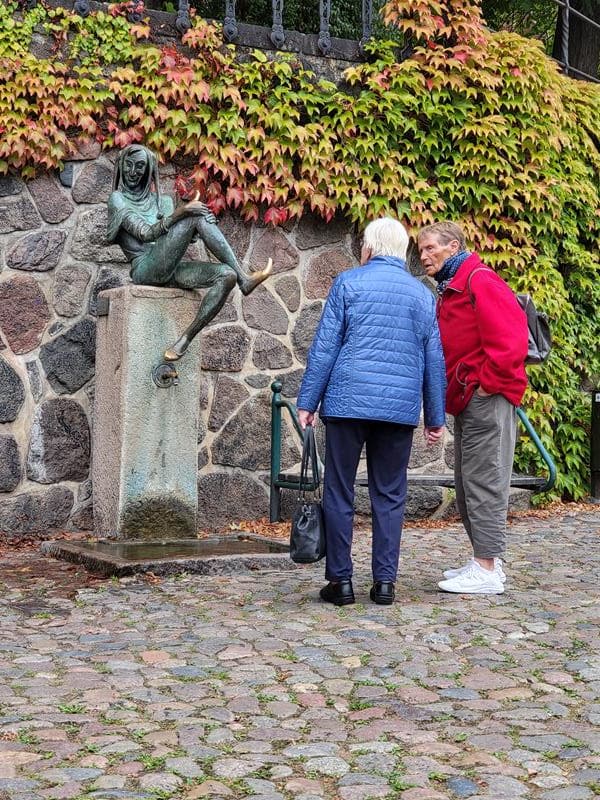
324, 43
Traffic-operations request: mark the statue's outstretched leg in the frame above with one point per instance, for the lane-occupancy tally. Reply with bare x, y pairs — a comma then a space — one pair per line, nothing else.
219, 247
219, 279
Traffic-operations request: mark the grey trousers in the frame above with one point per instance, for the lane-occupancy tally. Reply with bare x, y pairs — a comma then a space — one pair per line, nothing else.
484, 448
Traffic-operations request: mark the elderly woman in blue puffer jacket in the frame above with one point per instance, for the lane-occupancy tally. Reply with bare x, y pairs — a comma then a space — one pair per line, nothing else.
375, 360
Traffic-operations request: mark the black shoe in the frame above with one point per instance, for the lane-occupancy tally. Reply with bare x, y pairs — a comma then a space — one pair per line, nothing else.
382, 593
340, 594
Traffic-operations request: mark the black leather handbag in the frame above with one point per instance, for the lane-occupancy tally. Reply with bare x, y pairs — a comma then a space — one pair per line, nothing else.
307, 535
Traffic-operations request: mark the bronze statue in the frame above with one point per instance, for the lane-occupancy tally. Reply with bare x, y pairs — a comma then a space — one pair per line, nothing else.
154, 236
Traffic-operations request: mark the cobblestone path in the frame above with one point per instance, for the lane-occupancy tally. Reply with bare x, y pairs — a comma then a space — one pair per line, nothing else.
195, 687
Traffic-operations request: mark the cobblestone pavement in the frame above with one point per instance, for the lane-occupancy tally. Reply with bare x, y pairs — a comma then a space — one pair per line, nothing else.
194, 687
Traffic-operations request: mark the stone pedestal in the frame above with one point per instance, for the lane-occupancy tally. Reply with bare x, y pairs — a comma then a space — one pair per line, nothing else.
144, 466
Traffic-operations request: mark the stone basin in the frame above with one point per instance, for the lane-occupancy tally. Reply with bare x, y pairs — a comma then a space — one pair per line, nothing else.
215, 555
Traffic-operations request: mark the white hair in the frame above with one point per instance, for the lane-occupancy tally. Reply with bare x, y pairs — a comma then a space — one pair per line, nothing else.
386, 237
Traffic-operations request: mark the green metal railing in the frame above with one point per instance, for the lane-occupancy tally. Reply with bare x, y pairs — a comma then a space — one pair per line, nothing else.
281, 480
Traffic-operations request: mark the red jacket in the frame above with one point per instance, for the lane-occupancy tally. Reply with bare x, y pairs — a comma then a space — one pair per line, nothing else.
485, 344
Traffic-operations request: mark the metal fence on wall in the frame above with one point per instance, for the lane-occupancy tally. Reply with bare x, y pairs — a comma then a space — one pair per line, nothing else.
276, 36
567, 14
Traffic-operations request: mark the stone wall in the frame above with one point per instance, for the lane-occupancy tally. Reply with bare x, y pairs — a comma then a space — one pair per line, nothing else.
53, 263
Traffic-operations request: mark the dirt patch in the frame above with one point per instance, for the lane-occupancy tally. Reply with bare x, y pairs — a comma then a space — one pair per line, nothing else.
22, 564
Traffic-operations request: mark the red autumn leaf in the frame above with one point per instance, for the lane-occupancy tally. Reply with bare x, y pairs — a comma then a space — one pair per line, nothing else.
275, 216
235, 196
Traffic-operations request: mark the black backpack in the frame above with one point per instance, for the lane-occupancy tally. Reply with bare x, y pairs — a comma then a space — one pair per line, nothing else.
540, 338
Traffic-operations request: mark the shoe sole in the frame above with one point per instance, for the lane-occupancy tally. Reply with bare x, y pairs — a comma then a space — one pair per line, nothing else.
471, 591
343, 601
382, 601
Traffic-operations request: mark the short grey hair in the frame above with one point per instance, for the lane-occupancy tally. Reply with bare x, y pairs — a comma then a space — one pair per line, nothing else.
386, 237
445, 232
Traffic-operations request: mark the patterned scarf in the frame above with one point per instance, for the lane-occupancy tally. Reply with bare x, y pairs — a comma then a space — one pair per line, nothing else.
449, 269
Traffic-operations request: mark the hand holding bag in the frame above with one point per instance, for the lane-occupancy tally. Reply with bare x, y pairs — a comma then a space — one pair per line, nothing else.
307, 536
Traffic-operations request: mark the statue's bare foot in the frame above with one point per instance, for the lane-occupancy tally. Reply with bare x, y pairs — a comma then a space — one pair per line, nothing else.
250, 282
174, 353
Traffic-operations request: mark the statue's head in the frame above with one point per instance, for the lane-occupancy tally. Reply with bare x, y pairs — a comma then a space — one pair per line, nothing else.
136, 169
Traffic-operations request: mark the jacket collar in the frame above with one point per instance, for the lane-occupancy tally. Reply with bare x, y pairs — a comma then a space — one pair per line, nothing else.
459, 281
391, 260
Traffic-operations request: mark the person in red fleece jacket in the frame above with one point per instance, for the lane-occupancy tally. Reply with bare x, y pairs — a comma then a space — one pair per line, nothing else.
484, 338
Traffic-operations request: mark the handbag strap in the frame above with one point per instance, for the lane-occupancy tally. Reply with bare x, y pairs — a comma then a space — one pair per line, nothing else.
309, 456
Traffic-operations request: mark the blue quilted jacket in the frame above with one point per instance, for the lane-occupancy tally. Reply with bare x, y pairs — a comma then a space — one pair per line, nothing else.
377, 352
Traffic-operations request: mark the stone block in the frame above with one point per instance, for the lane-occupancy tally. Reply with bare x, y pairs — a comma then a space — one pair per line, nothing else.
304, 330
10, 464
291, 383
10, 185
36, 512
288, 288
422, 501
84, 149
258, 380
225, 349
145, 436
38, 251
18, 215
68, 360
82, 518
263, 312
423, 453
89, 240
70, 283
51, 201
228, 396
215, 493
323, 270
24, 313
94, 184
227, 314
59, 444
313, 231
12, 392
269, 353
272, 243
108, 278
245, 439
449, 454
237, 233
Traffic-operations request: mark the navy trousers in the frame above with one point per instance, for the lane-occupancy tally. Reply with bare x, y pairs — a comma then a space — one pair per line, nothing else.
388, 448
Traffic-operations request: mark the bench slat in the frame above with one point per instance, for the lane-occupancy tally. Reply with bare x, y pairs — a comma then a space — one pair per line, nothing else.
287, 480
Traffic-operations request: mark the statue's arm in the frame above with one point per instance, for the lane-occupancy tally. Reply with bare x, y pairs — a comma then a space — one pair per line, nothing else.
123, 217
126, 218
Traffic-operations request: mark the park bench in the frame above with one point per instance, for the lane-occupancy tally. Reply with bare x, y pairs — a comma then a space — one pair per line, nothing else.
285, 480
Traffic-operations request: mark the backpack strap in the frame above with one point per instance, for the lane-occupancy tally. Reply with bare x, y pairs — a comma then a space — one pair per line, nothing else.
477, 269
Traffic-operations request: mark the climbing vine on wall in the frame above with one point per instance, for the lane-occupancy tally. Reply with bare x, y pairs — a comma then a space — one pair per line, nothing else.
474, 126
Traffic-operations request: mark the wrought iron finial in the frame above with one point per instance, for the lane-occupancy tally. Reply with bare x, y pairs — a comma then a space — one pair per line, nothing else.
367, 23
324, 37
183, 22
230, 28
82, 7
277, 32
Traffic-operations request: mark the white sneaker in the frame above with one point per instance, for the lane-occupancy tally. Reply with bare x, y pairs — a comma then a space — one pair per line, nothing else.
474, 580
452, 573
